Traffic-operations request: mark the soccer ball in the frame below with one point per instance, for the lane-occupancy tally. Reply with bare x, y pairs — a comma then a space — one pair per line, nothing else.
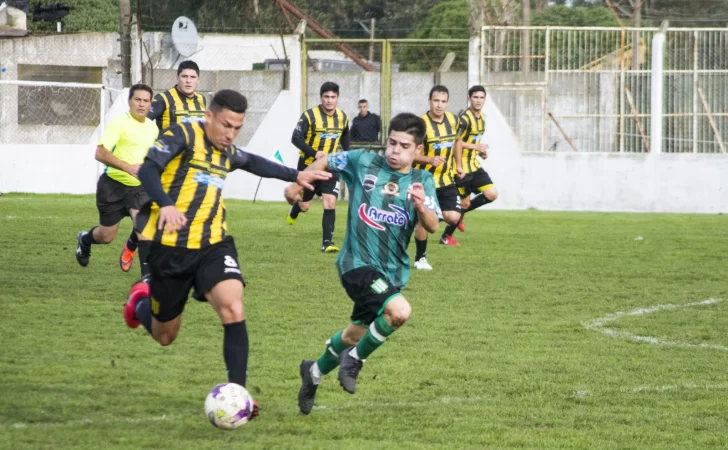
228, 406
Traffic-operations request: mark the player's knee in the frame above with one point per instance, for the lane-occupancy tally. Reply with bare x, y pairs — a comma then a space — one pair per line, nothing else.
106, 237
399, 315
166, 338
303, 206
452, 217
231, 312
491, 194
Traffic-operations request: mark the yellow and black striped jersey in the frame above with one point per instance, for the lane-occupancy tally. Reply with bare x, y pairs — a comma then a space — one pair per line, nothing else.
471, 131
440, 141
316, 131
193, 174
172, 106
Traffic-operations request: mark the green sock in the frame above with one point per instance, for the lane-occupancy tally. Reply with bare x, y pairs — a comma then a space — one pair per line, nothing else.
375, 336
330, 358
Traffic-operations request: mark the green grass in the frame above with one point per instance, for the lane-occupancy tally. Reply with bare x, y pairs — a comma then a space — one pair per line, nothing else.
496, 354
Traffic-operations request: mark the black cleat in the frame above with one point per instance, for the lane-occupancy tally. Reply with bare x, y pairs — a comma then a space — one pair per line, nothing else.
307, 393
83, 252
349, 368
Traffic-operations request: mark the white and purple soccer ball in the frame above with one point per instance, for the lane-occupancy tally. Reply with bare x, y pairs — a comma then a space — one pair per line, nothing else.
229, 406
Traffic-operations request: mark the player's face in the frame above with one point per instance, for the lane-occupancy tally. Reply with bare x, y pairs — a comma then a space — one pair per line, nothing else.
401, 151
329, 100
363, 109
477, 100
438, 103
139, 104
223, 127
187, 81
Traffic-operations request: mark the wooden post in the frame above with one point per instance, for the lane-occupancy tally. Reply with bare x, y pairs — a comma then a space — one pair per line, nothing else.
637, 119
710, 118
563, 133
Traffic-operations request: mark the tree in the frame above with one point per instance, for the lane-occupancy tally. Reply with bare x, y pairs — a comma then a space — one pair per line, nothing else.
85, 15
574, 17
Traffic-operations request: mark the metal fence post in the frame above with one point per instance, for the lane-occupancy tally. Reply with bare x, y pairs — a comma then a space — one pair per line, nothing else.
656, 105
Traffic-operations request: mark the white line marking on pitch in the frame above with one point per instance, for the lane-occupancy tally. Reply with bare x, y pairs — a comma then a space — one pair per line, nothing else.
598, 325
675, 387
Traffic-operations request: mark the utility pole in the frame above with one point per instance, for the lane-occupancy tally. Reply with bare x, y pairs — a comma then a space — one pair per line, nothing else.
636, 35
371, 36
125, 41
526, 41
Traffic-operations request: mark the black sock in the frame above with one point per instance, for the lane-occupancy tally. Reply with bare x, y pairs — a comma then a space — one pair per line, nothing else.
327, 224
449, 229
477, 201
295, 209
144, 247
235, 351
421, 246
144, 313
133, 241
88, 238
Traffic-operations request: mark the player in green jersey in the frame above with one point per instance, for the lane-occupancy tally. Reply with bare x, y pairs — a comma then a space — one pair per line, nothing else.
387, 199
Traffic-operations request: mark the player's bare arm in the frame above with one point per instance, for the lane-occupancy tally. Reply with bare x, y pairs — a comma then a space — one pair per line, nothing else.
426, 217
316, 171
459, 158
106, 157
434, 161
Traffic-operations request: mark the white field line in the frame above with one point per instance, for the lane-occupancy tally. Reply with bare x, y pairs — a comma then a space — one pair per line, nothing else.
599, 325
31, 217
679, 387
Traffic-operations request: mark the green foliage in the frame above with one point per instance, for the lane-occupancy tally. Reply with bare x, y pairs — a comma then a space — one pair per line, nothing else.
574, 17
447, 20
496, 354
85, 15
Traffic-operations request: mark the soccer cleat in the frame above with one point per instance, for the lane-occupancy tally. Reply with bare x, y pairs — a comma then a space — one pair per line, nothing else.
291, 220
349, 368
126, 259
449, 241
329, 247
138, 291
83, 252
256, 410
422, 264
461, 226
307, 393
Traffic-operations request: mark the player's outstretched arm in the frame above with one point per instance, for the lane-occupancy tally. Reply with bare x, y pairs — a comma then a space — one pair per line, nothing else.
426, 216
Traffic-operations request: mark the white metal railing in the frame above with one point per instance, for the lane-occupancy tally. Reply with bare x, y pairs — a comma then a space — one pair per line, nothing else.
593, 87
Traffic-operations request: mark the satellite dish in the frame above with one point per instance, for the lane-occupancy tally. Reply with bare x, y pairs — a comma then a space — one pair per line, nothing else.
184, 36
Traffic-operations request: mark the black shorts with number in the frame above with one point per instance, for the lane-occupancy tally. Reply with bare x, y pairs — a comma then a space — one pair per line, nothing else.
330, 186
115, 199
477, 181
370, 291
448, 198
176, 270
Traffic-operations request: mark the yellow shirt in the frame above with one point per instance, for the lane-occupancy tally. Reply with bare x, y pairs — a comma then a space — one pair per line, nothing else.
129, 140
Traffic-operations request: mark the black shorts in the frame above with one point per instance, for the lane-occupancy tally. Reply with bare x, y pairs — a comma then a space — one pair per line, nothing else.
370, 291
330, 186
114, 200
174, 271
477, 181
448, 198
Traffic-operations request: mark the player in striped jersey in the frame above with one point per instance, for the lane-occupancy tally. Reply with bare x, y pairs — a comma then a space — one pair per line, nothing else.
181, 102
184, 174
476, 179
442, 157
387, 199
319, 132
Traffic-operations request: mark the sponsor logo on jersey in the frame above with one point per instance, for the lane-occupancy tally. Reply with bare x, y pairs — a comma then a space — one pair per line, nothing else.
369, 182
206, 178
338, 160
442, 145
391, 188
375, 217
330, 136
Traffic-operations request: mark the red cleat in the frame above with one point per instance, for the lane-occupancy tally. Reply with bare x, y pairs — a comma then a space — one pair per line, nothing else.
449, 241
461, 226
126, 259
256, 410
137, 292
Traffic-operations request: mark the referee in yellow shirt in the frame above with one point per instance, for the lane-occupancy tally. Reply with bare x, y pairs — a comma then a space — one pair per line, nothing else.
119, 193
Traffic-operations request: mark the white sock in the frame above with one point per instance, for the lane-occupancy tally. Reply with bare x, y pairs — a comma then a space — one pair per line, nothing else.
315, 373
354, 353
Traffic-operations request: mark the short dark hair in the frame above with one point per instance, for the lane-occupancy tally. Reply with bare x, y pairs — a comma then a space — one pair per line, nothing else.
439, 88
363, 101
329, 86
229, 99
410, 124
140, 87
184, 65
476, 88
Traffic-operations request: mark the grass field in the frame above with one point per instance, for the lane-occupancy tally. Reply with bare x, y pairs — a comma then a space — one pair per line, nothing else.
514, 341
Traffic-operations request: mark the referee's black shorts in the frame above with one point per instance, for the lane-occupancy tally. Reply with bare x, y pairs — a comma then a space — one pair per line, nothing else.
115, 199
